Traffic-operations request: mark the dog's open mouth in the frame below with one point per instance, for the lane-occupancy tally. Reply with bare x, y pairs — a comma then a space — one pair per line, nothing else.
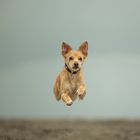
75, 68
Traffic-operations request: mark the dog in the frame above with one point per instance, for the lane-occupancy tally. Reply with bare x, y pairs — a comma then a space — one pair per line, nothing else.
70, 83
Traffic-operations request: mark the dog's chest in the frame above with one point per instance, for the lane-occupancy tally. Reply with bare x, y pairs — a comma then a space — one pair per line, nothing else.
73, 82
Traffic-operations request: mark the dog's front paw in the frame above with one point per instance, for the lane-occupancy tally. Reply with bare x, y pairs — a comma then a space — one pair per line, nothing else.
69, 103
66, 99
81, 91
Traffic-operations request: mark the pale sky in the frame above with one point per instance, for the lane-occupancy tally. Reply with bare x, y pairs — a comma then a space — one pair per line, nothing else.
31, 33
35, 29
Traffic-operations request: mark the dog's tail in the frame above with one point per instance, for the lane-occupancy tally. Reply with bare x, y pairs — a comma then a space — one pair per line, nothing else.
56, 89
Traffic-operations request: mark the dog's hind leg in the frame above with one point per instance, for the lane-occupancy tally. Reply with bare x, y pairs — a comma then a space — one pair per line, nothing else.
56, 89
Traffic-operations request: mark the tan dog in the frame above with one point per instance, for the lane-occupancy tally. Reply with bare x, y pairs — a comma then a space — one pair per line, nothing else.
70, 82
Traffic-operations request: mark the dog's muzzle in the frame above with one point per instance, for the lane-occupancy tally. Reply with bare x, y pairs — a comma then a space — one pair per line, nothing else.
75, 65
72, 72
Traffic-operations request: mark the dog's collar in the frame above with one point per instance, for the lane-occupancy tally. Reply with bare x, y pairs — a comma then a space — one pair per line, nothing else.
72, 72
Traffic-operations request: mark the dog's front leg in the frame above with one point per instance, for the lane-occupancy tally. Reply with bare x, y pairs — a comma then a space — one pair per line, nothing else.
66, 98
81, 91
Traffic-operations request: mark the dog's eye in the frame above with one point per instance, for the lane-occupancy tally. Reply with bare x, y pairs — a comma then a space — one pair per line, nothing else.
71, 58
80, 58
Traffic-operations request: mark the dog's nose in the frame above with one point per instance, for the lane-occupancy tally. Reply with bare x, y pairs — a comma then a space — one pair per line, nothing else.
75, 64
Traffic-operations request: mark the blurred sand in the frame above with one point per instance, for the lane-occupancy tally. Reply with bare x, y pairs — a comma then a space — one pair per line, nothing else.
69, 130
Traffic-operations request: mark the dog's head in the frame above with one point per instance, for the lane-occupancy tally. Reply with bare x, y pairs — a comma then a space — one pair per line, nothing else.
74, 59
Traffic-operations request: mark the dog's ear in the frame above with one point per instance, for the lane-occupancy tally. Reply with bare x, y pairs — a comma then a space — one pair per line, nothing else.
65, 48
84, 48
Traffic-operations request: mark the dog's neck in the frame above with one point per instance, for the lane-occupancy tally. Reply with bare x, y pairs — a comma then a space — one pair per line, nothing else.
72, 72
